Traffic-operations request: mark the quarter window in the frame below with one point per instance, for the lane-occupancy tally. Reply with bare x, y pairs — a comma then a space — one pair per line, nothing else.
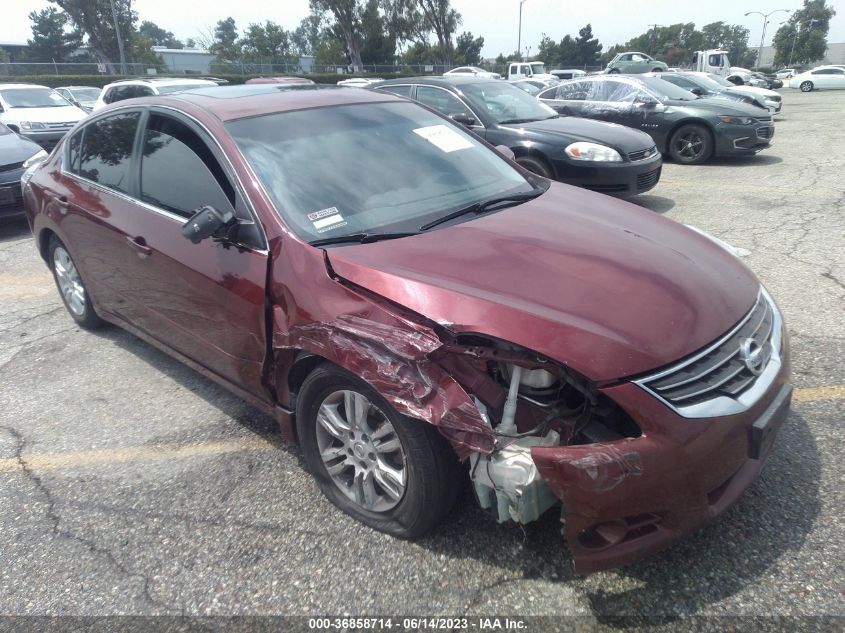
402, 91
179, 172
106, 151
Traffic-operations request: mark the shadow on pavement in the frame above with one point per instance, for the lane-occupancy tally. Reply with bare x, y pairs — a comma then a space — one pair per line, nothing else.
658, 204
14, 228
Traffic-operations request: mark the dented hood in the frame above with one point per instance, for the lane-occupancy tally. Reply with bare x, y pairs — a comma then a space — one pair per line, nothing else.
599, 284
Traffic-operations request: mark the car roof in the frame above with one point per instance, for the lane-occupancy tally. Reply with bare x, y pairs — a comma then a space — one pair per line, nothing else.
162, 81
78, 87
444, 82
228, 103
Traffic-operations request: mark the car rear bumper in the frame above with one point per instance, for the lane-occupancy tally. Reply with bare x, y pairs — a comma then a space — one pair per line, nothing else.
617, 179
626, 499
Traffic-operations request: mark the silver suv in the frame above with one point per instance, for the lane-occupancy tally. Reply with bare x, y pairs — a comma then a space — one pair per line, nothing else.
635, 63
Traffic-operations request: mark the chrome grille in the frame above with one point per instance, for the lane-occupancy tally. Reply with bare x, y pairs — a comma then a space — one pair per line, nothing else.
720, 371
643, 154
60, 126
647, 180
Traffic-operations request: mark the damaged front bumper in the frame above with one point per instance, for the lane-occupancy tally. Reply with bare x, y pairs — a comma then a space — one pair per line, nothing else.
626, 499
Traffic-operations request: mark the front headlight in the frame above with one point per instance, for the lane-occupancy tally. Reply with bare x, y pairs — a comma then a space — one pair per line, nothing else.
32, 125
737, 120
593, 151
35, 159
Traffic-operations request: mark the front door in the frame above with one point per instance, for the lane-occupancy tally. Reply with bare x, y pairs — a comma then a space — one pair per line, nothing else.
204, 300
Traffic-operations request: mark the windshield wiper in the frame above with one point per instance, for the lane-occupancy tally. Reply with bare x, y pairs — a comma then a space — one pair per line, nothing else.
508, 121
360, 238
485, 205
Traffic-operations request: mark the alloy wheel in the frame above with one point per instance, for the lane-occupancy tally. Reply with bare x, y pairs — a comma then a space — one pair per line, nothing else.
690, 145
361, 451
70, 283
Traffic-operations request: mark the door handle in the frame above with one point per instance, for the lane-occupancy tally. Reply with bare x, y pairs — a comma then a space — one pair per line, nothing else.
139, 245
62, 203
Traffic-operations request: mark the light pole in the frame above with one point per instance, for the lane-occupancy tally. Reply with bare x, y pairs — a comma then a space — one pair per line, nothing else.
519, 37
763, 36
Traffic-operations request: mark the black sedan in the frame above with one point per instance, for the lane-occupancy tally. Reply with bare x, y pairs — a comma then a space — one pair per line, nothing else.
16, 154
606, 158
689, 128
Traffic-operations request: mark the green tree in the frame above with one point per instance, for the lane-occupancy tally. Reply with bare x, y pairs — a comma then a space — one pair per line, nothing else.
443, 20
587, 47
266, 43
803, 39
732, 38
308, 36
346, 14
159, 36
377, 44
52, 40
225, 43
548, 51
468, 49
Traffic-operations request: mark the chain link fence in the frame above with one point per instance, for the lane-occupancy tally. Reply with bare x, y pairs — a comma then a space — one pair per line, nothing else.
29, 69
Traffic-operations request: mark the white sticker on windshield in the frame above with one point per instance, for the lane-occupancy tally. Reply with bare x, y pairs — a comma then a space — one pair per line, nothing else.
444, 137
327, 219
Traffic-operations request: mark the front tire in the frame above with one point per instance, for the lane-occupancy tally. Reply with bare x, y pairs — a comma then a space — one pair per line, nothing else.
537, 165
392, 473
806, 86
71, 287
691, 144
659, 70
612, 71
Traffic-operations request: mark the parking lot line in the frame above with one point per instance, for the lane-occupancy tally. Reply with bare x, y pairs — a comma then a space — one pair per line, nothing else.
153, 452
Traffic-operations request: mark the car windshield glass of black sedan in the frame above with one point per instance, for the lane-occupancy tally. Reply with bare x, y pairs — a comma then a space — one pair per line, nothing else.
506, 103
369, 168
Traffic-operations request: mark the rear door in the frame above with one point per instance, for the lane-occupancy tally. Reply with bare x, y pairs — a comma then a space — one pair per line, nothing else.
206, 300
567, 98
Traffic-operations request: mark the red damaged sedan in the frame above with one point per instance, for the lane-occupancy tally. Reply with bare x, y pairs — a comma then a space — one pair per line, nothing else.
414, 309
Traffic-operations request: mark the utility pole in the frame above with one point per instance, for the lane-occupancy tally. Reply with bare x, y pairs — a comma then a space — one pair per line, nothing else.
519, 38
763, 36
795, 37
119, 39
654, 28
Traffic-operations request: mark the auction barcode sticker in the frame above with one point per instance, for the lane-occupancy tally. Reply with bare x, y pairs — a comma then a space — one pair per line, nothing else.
326, 219
444, 137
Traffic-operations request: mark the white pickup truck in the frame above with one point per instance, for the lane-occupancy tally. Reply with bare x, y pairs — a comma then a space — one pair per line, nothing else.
526, 70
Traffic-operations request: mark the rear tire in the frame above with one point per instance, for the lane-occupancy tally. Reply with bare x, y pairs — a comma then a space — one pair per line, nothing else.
658, 70
71, 287
806, 86
392, 473
537, 165
691, 144
612, 71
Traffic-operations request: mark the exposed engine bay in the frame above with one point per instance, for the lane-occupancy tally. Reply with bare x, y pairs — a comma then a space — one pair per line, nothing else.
527, 401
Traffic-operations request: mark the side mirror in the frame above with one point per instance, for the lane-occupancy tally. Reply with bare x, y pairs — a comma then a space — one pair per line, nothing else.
506, 151
463, 118
697, 91
647, 102
205, 222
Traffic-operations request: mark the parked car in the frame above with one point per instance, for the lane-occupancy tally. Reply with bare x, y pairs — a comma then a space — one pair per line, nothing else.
785, 73
571, 73
292, 81
598, 156
359, 82
81, 96
400, 296
472, 71
716, 87
688, 128
529, 70
533, 86
37, 112
823, 77
17, 153
632, 62
147, 87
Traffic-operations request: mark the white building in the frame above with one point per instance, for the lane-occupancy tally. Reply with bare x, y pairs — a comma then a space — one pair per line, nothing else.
191, 61
835, 55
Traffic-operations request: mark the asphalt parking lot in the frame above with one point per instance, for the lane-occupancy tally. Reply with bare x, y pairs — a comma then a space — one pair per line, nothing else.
131, 485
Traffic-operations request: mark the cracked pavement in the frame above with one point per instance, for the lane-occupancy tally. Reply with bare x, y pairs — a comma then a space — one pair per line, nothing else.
246, 531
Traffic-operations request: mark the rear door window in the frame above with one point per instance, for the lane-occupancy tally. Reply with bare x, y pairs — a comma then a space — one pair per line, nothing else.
105, 155
574, 91
179, 172
402, 91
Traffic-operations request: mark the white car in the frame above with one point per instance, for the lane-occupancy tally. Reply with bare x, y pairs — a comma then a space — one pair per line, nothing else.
784, 73
359, 82
37, 112
823, 77
147, 87
474, 71
568, 73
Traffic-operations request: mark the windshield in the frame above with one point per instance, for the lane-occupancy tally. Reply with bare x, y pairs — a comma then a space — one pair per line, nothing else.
33, 98
538, 68
707, 83
166, 90
85, 94
664, 90
721, 81
369, 168
506, 103
528, 87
